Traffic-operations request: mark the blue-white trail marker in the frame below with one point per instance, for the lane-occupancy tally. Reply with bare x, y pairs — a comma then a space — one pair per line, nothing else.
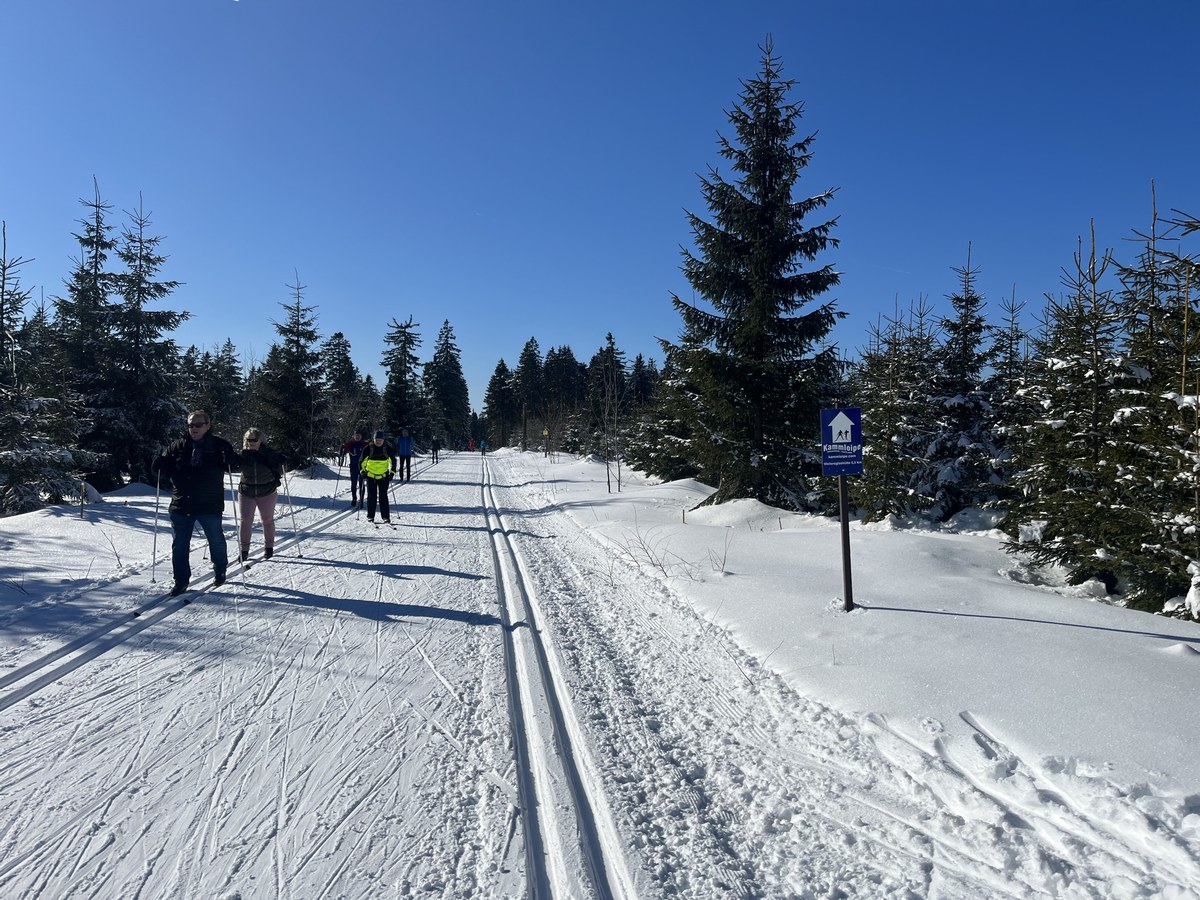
841, 441
842, 455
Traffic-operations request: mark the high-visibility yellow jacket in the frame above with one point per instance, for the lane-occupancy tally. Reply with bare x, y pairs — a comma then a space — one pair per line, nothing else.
379, 461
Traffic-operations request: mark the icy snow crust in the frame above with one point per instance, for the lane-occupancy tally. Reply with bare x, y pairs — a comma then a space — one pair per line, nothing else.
336, 723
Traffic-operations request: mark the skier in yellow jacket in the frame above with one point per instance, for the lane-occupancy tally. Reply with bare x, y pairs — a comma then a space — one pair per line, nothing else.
378, 467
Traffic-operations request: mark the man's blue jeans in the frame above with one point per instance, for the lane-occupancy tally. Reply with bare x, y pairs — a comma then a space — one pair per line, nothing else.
183, 525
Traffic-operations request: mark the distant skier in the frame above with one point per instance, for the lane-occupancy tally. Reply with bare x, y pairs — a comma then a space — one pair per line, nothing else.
404, 450
435, 449
352, 451
262, 469
378, 467
195, 466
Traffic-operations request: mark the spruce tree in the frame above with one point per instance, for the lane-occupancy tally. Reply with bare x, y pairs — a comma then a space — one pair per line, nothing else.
893, 377
141, 394
959, 461
529, 388
402, 394
84, 325
1070, 501
757, 371
39, 459
342, 389
1156, 440
661, 441
565, 389
607, 402
446, 388
499, 405
289, 387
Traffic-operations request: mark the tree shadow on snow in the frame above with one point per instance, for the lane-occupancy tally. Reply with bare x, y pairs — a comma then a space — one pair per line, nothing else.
962, 615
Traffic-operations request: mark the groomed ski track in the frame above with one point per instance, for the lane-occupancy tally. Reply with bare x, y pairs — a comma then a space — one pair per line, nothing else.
485, 700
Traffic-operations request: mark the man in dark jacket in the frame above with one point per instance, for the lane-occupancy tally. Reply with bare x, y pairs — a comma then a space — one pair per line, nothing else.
195, 466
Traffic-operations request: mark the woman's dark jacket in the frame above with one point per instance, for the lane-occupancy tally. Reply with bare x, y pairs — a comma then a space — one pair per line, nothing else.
197, 489
262, 470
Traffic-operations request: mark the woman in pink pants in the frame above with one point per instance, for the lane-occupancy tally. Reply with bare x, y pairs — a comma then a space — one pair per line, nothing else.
262, 468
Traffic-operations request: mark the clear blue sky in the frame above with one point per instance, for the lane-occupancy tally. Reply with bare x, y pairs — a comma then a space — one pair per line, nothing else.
521, 168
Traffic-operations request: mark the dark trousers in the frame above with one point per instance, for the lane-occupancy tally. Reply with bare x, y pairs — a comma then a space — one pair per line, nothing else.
378, 487
183, 525
404, 469
355, 481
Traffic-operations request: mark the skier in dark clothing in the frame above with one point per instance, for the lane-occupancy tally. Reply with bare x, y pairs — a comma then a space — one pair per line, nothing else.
195, 466
352, 452
378, 467
435, 449
258, 489
404, 450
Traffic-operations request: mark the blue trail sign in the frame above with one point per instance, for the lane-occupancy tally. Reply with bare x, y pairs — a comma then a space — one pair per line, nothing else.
841, 441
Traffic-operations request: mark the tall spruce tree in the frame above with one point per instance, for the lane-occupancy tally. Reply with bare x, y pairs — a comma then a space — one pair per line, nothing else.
530, 389
402, 394
144, 367
343, 390
499, 405
757, 372
564, 389
446, 388
289, 386
83, 322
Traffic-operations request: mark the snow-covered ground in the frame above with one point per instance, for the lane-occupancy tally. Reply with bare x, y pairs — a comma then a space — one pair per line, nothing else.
534, 686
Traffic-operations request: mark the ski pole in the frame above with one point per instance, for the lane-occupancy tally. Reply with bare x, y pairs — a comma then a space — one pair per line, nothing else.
154, 545
237, 528
291, 506
338, 481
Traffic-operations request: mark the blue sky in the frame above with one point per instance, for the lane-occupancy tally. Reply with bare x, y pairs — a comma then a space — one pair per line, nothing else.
521, 169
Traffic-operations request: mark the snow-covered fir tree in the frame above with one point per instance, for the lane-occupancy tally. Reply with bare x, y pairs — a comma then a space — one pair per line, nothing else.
1070, 502
959, 459
892, 380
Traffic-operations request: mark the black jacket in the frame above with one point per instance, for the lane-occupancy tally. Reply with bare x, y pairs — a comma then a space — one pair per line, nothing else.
199, 489
261, 471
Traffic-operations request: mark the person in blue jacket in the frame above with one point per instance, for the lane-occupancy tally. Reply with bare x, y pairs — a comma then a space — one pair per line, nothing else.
404, 450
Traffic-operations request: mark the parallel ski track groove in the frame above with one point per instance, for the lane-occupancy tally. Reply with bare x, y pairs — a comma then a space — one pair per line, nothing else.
590, 841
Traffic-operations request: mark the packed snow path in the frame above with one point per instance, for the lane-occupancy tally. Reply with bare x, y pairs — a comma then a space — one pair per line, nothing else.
484, 700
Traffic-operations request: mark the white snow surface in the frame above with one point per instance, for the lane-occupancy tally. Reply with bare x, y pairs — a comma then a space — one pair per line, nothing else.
335, 722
